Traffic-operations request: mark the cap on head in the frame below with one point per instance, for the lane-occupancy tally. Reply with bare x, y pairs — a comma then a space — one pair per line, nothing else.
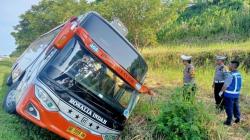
186, 57
235, 63
220, 57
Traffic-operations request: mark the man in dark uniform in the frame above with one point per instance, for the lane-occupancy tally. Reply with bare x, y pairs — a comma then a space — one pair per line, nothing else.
219, 77
231, 90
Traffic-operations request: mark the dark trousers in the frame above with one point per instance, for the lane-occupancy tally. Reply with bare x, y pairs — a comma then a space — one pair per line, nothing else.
218, 100
232, 108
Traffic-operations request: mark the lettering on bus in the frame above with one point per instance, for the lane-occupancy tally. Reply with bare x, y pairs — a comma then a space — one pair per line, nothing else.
87, 110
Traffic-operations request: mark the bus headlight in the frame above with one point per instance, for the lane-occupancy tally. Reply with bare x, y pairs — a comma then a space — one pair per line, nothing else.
45, 100
110, 137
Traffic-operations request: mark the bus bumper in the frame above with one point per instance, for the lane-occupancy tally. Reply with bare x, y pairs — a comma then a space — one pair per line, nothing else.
53, 121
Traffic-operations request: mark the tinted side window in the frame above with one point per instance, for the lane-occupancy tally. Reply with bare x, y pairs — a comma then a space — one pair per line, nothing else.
39, 45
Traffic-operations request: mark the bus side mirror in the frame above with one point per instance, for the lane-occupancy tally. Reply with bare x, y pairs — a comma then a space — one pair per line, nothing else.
66, 33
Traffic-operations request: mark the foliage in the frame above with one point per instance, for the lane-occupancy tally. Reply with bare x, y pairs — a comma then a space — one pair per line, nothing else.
12, 126
142, 17
226, 21
149, 21
43, 17
183, 119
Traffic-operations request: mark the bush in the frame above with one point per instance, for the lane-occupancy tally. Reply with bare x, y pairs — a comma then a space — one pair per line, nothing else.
242, 23
226, 21
183, 119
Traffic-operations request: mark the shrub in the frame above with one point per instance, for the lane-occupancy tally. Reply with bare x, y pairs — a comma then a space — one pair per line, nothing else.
183, 119
226, 21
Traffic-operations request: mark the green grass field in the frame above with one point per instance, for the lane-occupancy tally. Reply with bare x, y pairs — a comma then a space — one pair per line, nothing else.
164, 78
13, 127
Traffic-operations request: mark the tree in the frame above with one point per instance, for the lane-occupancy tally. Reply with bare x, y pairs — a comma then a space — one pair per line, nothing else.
43, 17
216, 1
143, 18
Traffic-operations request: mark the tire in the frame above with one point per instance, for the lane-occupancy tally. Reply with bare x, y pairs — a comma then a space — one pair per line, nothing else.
9, 104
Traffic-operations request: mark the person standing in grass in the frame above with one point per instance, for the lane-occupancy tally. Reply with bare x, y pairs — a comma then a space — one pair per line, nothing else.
189, 87
219, 77
231, 90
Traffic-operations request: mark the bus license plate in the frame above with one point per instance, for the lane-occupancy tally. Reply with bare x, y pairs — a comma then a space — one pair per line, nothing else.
76, 132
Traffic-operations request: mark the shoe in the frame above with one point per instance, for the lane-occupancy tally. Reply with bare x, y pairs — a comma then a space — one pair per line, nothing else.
227, 123
237, 121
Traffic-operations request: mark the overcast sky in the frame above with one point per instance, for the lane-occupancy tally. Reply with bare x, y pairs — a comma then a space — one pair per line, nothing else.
9, 16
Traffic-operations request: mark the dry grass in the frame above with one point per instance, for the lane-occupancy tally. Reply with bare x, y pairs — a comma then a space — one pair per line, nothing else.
165, 74
198, 48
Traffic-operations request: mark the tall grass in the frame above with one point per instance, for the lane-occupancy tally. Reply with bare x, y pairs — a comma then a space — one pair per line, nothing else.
166, 71
13, 127
173, 117
165, 62
203, 55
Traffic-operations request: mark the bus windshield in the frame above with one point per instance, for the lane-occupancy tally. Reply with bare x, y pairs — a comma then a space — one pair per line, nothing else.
77, 70
115, 45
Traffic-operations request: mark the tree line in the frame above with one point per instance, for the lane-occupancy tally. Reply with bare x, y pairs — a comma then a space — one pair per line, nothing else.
143, 18
149, 21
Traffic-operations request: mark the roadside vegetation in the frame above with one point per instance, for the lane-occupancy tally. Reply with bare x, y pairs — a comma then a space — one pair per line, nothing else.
150, 22
13, 127
157, 118
161, 32
228, 20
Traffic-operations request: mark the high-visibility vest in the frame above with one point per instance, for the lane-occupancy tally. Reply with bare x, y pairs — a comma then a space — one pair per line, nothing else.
233, 90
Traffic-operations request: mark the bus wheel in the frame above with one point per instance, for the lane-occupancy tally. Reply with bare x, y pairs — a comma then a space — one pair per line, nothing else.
9, 103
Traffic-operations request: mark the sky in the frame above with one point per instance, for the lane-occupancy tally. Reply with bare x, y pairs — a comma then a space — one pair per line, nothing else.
10, 10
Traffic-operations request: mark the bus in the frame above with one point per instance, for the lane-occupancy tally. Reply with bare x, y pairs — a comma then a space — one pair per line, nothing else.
81, 80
